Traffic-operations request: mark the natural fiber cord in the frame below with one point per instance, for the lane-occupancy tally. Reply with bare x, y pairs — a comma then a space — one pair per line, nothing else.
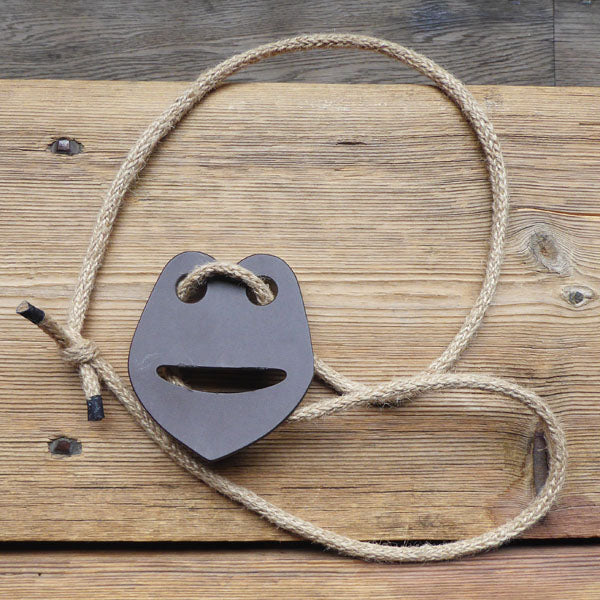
94, 369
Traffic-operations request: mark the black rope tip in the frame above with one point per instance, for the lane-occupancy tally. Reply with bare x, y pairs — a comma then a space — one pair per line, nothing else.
31, 312
95, 408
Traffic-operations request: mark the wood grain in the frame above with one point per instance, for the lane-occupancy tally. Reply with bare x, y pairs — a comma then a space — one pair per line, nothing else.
544, 573
505, 42
377, 197
577, 42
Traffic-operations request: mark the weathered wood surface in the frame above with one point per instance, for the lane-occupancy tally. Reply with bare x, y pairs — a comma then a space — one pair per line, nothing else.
378, 198
537, 573
484, 42
538, 42
577, 42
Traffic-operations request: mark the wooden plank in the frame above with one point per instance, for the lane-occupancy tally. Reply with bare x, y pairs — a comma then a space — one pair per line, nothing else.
544, 573
310, 173
577, 42
481, 41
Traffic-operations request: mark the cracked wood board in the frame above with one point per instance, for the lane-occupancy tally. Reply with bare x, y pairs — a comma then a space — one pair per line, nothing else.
311, 173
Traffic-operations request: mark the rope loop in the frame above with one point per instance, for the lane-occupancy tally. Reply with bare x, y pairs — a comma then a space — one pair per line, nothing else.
93, 368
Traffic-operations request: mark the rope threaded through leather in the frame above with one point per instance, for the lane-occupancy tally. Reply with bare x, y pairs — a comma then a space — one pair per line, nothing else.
94, 368
200, 275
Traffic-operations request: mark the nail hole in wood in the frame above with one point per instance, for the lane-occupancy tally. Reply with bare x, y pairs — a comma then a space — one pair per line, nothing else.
66, 146
64, 446
578, 295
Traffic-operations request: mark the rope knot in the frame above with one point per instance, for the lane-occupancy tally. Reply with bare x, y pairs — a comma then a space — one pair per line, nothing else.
80, 352
76, 351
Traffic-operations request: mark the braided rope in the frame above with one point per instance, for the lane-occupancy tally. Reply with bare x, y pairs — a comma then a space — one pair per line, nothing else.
93, 368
